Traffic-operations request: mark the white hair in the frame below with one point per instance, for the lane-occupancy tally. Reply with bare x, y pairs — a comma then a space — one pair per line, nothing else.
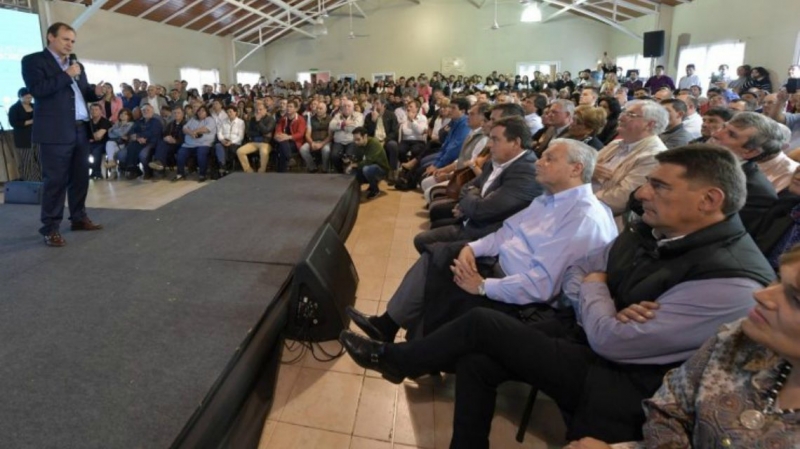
579, 153
654, 112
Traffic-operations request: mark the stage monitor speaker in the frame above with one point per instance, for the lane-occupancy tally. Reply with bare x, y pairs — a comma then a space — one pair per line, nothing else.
323, 285
23, 192
654, 44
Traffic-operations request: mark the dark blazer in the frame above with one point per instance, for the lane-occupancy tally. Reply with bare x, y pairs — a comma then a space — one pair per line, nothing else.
775, 222
17, 116
511, 192
761, 196
390, 125
54, 108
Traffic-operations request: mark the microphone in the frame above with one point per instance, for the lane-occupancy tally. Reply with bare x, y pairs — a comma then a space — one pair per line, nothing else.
73, 59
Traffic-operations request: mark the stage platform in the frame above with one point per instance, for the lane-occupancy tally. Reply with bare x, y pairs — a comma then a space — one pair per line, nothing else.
123, 338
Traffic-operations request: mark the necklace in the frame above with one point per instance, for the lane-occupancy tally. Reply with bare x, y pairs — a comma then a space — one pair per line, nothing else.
754, 419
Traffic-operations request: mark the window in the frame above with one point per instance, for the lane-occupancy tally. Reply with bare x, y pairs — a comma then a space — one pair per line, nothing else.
546, 67
198, 77
708, 58
634, 62
115, 73
250, 78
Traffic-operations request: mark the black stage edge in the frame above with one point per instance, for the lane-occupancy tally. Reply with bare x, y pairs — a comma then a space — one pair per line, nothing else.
164, 329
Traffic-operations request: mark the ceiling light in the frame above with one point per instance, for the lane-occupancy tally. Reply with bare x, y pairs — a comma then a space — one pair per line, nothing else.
531, 13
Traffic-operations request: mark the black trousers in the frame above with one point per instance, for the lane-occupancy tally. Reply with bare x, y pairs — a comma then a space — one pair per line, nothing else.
488, 347
65, 174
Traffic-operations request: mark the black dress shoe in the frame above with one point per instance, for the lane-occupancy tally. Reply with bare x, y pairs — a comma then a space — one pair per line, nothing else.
369, 354
363, 323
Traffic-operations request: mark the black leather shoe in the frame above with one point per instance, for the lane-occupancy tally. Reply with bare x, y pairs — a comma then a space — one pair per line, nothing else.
363, 323
369, 354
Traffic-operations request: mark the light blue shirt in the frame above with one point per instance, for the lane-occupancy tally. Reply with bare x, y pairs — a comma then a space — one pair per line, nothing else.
81, 112
207, 139
536, 245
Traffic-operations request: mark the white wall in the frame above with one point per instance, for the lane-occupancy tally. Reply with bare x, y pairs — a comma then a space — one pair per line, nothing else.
108, 36
769, 29
409, 38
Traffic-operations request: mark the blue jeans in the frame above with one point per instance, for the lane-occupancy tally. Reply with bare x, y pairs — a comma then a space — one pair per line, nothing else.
370, 174
202, 159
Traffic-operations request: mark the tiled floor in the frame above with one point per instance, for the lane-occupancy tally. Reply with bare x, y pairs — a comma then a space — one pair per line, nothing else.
336, 404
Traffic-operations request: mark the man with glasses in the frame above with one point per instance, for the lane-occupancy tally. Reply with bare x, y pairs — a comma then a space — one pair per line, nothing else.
623, 165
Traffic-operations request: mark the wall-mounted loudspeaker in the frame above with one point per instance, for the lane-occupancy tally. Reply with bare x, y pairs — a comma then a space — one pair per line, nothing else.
653, 44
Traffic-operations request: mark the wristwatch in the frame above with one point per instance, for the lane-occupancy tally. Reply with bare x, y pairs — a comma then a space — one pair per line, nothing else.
482, 288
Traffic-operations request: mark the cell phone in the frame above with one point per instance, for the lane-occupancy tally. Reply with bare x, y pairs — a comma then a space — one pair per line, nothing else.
792, 84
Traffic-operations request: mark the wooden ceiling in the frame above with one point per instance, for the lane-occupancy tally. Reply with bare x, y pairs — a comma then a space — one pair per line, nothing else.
263, 21
614, 10
243, 20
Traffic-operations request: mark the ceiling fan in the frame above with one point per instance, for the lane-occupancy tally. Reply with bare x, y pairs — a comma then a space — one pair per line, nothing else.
319, 28
352, 34
497, 26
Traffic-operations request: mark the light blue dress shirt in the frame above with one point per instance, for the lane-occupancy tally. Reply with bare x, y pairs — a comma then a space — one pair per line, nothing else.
536, 245
81, 112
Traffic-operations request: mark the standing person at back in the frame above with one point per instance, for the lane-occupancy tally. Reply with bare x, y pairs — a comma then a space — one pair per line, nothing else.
61, 129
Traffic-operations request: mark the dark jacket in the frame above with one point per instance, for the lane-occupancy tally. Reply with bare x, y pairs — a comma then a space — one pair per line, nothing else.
761, 196
262, 129
511, 192
775, 221
390, 125
175, 130
639, 270
152, 130
17, 116
54, 108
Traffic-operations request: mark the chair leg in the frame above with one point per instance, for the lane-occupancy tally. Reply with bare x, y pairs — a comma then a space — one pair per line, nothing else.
526, 414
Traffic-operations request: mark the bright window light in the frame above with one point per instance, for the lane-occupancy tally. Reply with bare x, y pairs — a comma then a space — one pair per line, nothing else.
531, 13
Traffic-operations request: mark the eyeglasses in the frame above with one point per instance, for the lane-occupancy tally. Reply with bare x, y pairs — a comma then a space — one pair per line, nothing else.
631, 114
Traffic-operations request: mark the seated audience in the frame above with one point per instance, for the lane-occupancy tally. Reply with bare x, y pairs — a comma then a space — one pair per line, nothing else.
98, 126
472, 148
129, 99
169, 144
317, 148
260, 129
754, 356
230, 135
613, 109
118, 137
588, 96
635, 303
381, 123
556, 119
779, 227
369, 162
752, 138
623, 165
153, 99
534, 106
289, 135
144, 136
713, 121
199, 134
451, 146
693, 120
675, 135
586, 123
523, 261
779, 168
413, 132
110, 103
341, 126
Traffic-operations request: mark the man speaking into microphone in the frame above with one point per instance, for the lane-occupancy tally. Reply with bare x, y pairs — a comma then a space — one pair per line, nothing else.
56, 80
